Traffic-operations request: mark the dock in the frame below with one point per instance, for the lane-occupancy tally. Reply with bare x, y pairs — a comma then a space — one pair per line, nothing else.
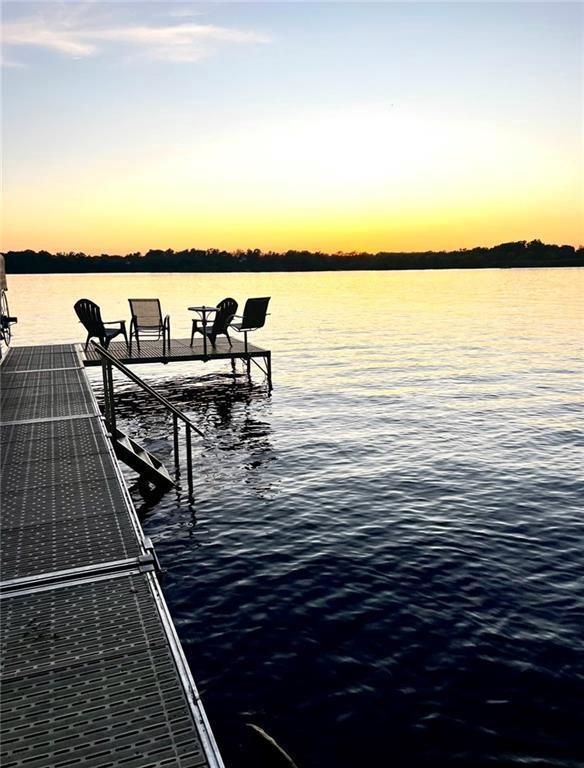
92, 672
182, 351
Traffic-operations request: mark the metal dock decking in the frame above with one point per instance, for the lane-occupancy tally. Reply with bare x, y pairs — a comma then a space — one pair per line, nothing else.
92, 673
181, 350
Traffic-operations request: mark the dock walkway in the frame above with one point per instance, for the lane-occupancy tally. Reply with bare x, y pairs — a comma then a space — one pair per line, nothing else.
91, 673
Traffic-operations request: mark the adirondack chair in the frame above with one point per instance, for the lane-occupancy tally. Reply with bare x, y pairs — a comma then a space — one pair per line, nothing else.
226, 310
89, 314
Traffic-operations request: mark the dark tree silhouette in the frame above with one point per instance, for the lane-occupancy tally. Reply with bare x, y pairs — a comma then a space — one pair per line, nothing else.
515, 254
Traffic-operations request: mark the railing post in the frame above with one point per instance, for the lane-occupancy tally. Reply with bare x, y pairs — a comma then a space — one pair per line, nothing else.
110, 373
175, 434
108, 395
189, 460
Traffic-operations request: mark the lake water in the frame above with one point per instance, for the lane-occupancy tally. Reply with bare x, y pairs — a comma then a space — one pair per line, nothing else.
384, 561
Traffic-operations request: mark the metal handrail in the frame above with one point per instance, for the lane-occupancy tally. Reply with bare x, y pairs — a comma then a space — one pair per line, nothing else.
107, 361
141, 383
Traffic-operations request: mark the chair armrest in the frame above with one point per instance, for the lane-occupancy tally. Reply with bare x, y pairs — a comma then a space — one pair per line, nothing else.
114, 322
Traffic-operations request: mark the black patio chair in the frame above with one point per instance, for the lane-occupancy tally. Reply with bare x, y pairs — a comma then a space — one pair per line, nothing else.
254, 317
89, 314
225, 313
147, 322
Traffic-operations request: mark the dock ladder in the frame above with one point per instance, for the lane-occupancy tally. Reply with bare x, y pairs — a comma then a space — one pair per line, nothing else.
127, 449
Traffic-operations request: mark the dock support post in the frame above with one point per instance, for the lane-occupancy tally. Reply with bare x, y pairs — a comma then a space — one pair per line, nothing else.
269, 370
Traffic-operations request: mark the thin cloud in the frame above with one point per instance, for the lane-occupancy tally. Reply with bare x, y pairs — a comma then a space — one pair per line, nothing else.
182, 13
173, 42
11, 63
35, 32
179, 42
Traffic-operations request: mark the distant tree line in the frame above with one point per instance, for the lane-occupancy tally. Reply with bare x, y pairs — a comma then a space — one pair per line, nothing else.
516, 254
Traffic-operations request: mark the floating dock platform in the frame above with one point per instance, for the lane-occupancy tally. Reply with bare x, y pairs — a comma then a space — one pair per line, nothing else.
92, 672
181, 350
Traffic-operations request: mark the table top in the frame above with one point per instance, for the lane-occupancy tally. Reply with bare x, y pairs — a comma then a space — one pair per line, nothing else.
203, 308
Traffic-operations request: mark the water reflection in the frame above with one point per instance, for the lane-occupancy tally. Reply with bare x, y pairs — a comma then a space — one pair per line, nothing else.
226, 408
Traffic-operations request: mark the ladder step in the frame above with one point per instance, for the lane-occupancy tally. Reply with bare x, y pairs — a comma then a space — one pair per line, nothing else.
140, 460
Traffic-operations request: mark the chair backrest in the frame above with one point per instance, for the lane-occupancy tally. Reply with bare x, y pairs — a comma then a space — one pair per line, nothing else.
254, 313
146, 313
226, 309
90, 315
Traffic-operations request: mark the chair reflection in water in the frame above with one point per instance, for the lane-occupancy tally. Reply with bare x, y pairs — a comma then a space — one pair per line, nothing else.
224, 314
89, 314
253, 318
147, 322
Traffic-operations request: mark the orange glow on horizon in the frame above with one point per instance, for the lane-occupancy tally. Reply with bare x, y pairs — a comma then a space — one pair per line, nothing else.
367, 179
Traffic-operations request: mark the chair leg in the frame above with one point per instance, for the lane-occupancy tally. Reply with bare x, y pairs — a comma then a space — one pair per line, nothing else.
131, 333
87, 342
193, 331
228, 339
125, 335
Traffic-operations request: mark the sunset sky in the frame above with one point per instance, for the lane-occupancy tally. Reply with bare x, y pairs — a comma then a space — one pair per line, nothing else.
331, 126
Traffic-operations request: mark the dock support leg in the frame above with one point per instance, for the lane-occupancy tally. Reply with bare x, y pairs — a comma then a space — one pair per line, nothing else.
248, 368
269, 370
233, 367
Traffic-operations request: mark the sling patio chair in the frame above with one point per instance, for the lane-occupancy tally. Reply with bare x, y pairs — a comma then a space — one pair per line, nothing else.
147, 322
225, 313
89, 314
254, 317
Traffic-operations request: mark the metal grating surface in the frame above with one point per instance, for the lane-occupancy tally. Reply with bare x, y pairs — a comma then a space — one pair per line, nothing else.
88, 674
26, 404
68, 526
68, 379
180, 349
42, 357
89, 680
70, 468
51, 440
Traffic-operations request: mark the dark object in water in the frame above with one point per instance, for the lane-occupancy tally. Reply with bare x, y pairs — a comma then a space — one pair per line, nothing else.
278, 757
